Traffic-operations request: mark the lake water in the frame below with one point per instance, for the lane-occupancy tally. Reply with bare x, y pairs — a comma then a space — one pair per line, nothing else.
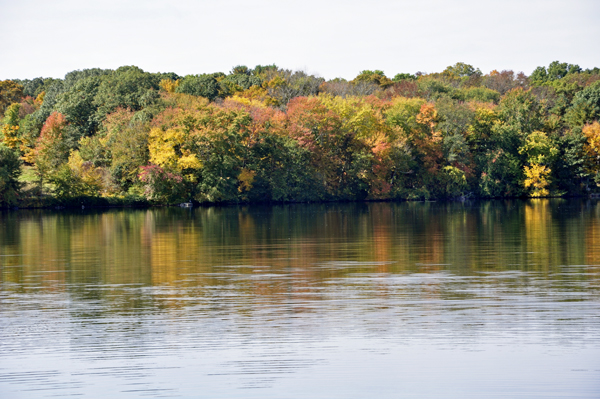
496, 299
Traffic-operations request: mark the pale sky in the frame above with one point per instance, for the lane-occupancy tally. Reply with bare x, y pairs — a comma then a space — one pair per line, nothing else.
331, 39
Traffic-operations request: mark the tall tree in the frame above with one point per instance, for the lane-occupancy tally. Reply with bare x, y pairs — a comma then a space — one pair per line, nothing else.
10, 169
50, 151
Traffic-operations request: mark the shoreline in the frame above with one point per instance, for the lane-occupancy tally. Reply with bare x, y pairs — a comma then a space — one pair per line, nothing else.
190, 205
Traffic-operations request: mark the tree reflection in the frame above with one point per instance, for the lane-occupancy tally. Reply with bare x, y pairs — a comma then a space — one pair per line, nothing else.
263, 252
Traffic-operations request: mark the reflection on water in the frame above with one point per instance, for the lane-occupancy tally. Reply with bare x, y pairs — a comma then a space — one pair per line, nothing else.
427, 300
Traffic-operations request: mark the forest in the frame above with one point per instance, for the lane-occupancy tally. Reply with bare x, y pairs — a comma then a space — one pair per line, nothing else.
128, 137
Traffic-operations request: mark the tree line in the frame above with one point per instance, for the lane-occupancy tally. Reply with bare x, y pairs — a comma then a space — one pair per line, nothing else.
127, 136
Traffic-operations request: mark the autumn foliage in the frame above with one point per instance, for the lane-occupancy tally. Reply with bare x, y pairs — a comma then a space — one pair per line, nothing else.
268, 134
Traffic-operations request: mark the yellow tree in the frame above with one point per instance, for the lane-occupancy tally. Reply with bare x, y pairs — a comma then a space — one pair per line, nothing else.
540, 152
172, 149
537, 180
169, 85
591, 149
10, 92
10, 126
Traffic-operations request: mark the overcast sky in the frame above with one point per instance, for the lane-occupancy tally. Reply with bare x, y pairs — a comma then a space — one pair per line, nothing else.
332, 39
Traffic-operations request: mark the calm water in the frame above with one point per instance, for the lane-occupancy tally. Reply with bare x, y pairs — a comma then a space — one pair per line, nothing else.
409, 300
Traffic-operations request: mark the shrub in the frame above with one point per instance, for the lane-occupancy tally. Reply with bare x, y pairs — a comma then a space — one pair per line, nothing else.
161, 186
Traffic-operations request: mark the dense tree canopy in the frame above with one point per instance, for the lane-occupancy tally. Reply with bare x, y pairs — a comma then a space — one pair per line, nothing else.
271, 134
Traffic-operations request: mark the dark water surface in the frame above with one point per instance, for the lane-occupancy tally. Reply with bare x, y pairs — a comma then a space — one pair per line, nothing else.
383, 300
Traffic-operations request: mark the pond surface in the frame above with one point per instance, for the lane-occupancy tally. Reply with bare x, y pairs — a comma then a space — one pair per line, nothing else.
380, 300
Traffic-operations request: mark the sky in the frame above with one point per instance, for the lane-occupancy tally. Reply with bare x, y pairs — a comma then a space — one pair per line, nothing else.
338, 38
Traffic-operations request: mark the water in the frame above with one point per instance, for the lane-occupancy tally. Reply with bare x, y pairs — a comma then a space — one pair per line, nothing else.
410, 300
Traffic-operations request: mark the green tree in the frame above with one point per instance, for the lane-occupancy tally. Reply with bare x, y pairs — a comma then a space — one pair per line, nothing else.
501, 175
556, 70
480, 94
570, 165
281, 171
585, 107
205, 85
235, 82
10, 170
35, 87
434, 88
129, 151
262, 70
79, 107
399, 77
73, 77
522, 110
461, 70
222, 153
455, 119
51, 96
539, 76
127, 87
